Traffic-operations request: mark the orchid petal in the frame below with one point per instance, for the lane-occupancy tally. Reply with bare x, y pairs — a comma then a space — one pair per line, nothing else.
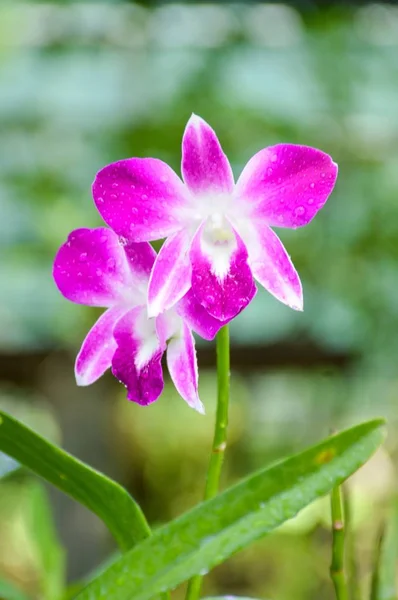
140, 198
286, 185
183, 368
98, 348
92, 268
221, 278
272, 267
171, 274
205, 168
137, 359
197, 317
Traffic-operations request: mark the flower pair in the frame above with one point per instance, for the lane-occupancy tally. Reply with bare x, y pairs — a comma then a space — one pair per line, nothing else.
218, 242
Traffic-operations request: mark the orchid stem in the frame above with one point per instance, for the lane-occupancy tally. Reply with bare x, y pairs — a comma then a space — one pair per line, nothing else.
337, 572
219, 439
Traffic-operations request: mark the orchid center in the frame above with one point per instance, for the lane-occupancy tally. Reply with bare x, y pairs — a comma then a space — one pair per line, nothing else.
218, 230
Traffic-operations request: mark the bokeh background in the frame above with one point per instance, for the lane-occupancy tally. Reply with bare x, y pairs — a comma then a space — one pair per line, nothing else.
84, 84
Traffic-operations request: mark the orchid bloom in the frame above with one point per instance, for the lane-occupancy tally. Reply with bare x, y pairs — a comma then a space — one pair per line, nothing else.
97, 268
219, 236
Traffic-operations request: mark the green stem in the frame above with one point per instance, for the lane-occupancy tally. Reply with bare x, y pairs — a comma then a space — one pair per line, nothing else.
351, 555
337, 573
219, 439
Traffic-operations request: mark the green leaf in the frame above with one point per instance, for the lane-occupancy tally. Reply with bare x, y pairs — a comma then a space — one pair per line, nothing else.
103, 496
384, 586
213, 530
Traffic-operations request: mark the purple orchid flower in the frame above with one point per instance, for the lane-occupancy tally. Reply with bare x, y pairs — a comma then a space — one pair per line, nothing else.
97, 268
219, 236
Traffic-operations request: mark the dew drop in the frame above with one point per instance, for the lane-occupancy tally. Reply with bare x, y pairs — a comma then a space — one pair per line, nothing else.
83, 257
114, 196
323, 175
103, 239
281, 199
111, 263
311, 201
210, 299
281, 218
274, 158
115, 185
300, 210
134, 210
144, 197
269, 171
312, 185
100, 200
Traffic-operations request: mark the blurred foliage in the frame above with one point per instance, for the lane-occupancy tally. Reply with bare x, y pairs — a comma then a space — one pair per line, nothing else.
84, 84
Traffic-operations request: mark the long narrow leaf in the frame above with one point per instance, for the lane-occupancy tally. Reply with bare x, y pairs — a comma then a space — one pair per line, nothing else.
212, 531
384, 580
103, 496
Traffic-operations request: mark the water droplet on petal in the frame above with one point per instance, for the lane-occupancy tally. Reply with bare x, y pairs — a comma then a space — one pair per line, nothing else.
310, 200
111, 263
134, 210
115, 185
210, 299
83, 257
274, 158
114, 196
103, 239
269, 171
281, 218
300, 210
312, 185
100, 200
144, 197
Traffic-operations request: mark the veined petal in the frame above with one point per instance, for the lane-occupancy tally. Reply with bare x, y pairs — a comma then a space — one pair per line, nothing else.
171, 274
92, 268
140, 198
205, 168
272, 267
95, 355
286, 185
197, 317
137, 359
183, 368
221, 278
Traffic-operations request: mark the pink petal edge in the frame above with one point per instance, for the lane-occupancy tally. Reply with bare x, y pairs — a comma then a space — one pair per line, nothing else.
205, 168
286, 185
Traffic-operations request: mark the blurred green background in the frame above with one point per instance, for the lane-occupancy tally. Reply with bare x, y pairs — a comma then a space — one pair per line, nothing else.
84, 84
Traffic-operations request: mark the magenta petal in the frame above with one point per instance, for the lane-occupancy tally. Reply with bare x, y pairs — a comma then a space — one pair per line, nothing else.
222, 290
95, 355
171, 275
183, 368
272, 267
137, 359
140, 198
286, 185
91, 268
197, 317
205, 168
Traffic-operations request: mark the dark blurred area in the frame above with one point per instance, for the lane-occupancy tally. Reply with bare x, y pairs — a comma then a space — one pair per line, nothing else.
84, 84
